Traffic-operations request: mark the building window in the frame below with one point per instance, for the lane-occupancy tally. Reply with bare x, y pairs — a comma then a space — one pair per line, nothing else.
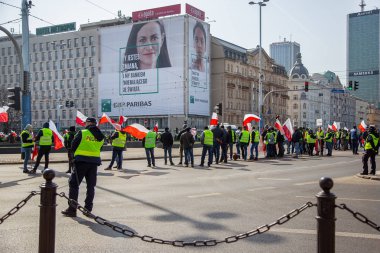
83, 41
91, 40
76, 42
68, 43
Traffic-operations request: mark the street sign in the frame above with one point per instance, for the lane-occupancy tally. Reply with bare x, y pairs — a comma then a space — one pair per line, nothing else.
333, 90
319, 122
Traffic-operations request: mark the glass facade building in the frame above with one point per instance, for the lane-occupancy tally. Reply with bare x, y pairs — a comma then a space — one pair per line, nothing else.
363, 54
285, 53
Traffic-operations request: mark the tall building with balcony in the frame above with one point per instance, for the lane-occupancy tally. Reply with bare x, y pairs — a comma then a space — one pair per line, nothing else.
363, 54
285, 53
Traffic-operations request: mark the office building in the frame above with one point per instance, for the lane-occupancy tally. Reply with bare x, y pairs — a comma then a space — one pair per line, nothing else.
285, 53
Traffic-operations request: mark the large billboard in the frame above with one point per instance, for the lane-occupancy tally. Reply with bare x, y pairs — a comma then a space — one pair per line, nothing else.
199, 67
142, 68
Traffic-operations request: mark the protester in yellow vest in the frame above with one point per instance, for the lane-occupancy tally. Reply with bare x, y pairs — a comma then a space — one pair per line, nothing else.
149, 143
232, 141
310, 140
255, 140
371, 149
27, 144
244, 142
86, 146
329, 141
321, 142
207, 141
45, 139
119, 139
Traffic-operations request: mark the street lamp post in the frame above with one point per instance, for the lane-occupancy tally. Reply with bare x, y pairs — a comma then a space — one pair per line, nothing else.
261, 4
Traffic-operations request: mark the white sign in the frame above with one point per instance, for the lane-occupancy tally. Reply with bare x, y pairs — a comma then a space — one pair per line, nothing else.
319, 122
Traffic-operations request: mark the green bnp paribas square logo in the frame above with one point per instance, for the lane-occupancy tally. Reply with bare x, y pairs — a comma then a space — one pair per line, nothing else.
191, 99
106, 105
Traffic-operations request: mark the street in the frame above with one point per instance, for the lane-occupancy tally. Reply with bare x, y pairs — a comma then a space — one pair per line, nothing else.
180, 203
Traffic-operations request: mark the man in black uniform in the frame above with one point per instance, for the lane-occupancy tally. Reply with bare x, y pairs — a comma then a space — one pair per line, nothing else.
371, 149
86, 147
45, 139
68, 139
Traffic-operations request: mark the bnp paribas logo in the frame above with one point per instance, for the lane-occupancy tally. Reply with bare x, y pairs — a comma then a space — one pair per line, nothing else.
106, 105
192, 99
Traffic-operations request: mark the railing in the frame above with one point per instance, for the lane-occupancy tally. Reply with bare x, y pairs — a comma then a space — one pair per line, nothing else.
325, 219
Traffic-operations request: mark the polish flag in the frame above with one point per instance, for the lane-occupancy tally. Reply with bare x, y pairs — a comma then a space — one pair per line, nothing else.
214, 119
249, 117
4, 114
122, 119
155, 128
105, 119
278, 126
136, 130
35, 151
362, 126
330, 127
58, 139
335, 126
288, 129
80, 119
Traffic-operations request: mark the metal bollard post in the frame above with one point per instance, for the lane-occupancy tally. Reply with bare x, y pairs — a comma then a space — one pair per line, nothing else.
47, 213
326, 217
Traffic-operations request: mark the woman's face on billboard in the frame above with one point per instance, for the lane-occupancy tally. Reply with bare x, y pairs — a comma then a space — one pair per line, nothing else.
199, 42
149, 42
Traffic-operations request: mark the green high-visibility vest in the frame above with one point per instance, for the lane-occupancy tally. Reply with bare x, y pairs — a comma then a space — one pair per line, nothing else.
368, 145
208, 138
120, 141
233, 136
89, 145
244, 136
320, 134
309, 139
30, 137
45, 139
150, 140
257, 136
329, 137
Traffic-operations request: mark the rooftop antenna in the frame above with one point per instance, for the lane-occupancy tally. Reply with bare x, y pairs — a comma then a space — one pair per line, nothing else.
362, 5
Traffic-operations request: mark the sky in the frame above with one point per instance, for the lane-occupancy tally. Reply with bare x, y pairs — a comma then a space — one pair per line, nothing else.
320, 27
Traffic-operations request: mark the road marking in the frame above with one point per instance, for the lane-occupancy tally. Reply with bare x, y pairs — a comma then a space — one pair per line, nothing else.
262, 188
307, 183
371, 200
204, 195
314, 232
276, 179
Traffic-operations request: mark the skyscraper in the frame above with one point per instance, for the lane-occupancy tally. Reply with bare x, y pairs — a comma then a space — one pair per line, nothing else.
363, 54
285, 53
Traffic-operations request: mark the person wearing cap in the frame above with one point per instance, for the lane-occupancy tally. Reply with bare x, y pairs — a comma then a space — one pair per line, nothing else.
27, 144
45, 139
86, 146
167, 143
119, 140
149, 143
371, 149
187, 141
68, 139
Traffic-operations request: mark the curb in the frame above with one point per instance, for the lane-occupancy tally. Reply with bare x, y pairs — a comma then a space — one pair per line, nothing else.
370, 177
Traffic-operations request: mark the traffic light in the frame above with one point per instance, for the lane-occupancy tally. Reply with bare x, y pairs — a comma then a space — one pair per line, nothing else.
306, 86
67, 103
219, 109
356, 85
71, 103
15, 98
350, 85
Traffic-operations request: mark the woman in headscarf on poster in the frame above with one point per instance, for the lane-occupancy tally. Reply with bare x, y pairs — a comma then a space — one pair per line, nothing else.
146, 47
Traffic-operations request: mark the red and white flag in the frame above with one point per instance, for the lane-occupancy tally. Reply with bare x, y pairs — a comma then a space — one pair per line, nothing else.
334, 126
136, 130
105, 119
58, 139
250, 117
35, 151
278, 126
155, 128
122, 120
4, 114
330, 127
214, 119
362, 126
80, 119
288, 129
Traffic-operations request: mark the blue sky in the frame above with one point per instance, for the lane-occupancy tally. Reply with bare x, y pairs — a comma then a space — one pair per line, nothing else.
319, 26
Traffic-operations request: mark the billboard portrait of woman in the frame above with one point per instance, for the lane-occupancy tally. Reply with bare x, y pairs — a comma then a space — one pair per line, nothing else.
146, 47
199, 42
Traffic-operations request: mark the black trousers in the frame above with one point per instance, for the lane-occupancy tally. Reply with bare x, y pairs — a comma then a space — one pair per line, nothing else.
369, 154
43, 151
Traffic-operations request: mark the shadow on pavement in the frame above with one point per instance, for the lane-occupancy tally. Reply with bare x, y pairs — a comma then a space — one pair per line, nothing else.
13, 183
221, 215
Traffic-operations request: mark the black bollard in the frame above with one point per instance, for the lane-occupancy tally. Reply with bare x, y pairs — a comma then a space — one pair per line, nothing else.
326, 217
47, 213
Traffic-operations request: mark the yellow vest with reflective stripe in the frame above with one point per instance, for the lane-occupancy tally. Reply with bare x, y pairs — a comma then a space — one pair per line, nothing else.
45, 139
257, 136
309, 139
208, 138
244, 136
27, 144
328, 137
150, 140
233, 135
89, 145
368, 145
320, 134
120, 141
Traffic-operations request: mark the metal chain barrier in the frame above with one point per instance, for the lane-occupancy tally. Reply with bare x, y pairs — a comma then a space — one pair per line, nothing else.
18, 206
199, 243
359, 217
